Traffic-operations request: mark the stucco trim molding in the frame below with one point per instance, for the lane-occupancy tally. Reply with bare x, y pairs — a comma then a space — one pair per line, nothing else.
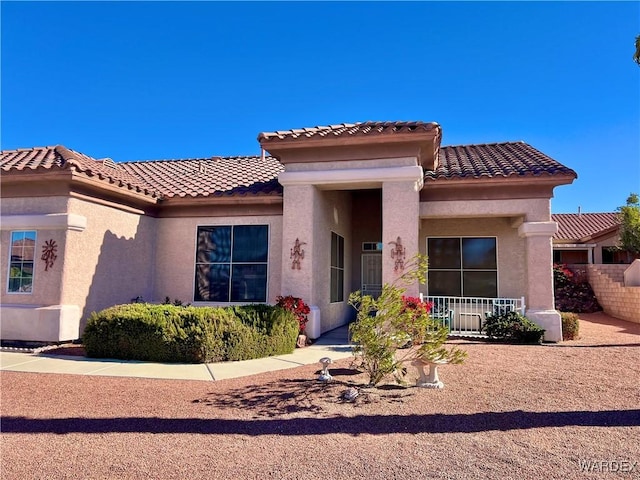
50, 323
52, 221
537, 229
355, 176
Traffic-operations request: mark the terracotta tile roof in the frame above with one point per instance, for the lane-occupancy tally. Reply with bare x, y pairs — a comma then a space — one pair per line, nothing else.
62, 158
494, 160
348, 130
253, 175
580, 226
210, 176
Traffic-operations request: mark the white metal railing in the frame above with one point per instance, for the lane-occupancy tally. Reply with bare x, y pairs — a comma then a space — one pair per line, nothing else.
373, 289
466, 315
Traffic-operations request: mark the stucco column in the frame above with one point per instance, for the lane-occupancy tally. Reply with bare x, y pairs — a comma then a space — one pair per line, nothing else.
298, 224
400, 224
539, 261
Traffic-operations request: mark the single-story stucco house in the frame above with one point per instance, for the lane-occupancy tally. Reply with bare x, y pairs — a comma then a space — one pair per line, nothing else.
322, 212
588, 238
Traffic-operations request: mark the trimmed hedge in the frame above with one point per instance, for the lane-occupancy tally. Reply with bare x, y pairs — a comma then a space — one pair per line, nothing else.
171, 333
512, 327
570, 325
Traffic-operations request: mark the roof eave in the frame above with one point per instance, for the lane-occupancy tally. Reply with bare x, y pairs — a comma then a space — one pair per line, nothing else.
114, 187
545, 179
265, 199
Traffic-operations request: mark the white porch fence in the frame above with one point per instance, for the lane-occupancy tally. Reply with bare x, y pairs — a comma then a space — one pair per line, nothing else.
466, 315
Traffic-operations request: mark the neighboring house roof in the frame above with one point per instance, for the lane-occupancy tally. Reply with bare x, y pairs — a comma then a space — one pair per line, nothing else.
210, 176
492, 160
369, 129
582, 227
62, 158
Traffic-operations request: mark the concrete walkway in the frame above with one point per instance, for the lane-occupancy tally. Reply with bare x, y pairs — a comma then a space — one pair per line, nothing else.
333, 344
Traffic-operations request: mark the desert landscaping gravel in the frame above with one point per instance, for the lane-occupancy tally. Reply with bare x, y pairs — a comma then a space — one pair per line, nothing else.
509, 412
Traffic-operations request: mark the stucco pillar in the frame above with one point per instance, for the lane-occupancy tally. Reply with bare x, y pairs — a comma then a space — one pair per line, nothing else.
539, 261
298, 224
400, 224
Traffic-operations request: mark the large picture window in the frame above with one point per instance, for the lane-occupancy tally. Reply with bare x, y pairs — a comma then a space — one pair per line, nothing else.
462, 267
337, 268
231, 263
21, 254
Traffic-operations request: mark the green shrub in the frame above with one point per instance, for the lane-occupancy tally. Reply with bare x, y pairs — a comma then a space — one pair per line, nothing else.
171, 333
570, 326
261, 331
392, 321
512, 327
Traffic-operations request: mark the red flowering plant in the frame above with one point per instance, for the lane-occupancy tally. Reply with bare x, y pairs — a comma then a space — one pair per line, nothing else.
562, 276
572, 291
297, 307
418, 312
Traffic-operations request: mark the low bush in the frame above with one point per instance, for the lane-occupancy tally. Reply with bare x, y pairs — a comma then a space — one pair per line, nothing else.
392, 329
512, 327
570, 326
172, 333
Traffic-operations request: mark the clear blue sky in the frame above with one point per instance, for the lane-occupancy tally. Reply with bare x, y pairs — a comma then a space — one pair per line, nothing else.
157, 80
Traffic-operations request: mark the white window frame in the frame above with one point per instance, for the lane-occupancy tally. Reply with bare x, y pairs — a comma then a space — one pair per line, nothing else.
33, 276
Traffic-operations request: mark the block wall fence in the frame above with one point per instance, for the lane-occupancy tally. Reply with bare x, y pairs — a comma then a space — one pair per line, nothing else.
616, 299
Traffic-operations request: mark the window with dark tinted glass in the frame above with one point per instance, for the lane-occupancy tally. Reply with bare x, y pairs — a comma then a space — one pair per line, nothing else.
231, 263
462, 267
337, 268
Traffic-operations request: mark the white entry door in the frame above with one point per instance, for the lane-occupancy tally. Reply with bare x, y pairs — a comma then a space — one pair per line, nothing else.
371, 274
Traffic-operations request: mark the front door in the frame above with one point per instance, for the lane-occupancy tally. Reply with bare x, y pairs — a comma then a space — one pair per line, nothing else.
371, 274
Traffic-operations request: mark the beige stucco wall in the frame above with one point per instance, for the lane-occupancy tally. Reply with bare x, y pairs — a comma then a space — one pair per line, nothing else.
111, 261
344, 164
608, 241
176, 249
40, 315
47, 285
310, 215
332, 213
510, 247
33, 205
529, 210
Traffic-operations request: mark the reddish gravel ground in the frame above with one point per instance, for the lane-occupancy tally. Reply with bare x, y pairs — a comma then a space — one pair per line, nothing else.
521, 412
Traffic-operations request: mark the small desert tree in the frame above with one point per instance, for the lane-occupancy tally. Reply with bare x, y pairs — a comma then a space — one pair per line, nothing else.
384, 326
630, 225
